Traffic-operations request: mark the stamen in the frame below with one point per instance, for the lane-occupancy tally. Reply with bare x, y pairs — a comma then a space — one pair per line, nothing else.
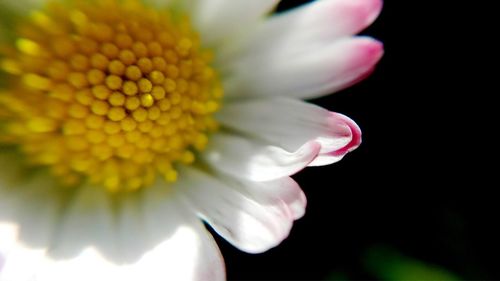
111, 93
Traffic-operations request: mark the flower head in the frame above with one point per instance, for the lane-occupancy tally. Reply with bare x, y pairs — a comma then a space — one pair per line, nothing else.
124, 121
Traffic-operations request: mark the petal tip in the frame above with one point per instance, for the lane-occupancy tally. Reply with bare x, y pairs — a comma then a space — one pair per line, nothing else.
373, 50
355, 135
372, 10
370, 52
361, 13
367, 11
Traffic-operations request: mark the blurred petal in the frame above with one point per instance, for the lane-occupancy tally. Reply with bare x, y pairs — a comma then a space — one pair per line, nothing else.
48, 233
236, 211
86, 221
186, 253
254, 160
189, 254
290, 124
30, 203
219, 19
7, 242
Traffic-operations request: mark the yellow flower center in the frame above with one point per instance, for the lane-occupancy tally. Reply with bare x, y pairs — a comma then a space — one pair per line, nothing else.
110, 92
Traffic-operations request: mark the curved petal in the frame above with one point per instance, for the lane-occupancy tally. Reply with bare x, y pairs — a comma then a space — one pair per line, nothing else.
289, 124
308, 74
254, 219
284, 191
254, 160
312, 25
219, 19
335, 155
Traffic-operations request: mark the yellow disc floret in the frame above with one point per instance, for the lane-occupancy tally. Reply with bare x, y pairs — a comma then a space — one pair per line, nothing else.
108, 92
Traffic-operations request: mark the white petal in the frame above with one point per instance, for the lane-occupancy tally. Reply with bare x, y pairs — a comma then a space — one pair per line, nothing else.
184, 252
254, 160
86, 221
334, 156
159, 238
20, 262
181, 257
29, 203
236, 213
307, 27
191, 255
132, 236
304, 73
8, 234
289, 124
284, 191
219, 19
34, 213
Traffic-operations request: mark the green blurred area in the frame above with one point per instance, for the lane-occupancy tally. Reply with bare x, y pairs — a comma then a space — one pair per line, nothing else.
388, 264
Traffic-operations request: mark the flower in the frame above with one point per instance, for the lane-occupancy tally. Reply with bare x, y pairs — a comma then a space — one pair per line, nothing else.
124, 122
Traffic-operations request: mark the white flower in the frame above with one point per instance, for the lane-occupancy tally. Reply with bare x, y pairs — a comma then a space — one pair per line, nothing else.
106, 109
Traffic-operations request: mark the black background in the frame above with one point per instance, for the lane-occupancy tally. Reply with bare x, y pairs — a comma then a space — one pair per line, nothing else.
412, 185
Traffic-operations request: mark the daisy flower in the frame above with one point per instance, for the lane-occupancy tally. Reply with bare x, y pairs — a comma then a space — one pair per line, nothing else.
125, 122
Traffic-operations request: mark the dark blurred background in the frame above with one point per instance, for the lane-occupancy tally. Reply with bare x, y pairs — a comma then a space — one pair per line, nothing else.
407, 204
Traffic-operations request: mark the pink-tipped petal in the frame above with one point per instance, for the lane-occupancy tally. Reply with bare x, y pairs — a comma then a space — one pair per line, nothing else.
305, 28
359, 66
355, 132
289, 124
255, 160
311, 74
333, 156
